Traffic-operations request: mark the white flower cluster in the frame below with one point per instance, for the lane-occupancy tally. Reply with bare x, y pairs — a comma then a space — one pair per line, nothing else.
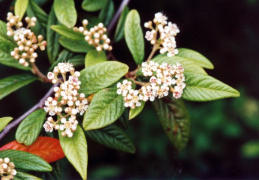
95, 36
27, 41
167, 31
66, 99
164, 78
7, 170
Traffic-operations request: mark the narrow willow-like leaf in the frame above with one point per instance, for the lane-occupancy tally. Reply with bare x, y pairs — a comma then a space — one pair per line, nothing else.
20, 7
68, 33
4, 121
52, 37
27, 161
34, 10
196, 57
24, 176
119, 33
107, 12
101, 75
134, 36
201, 87
113, 137
80, 46
93, 5
189, 66
174, 118
62, 57
75, 149
94, 57
30, 128
105, 108
7, 45
66, 12
12, 83
134, 112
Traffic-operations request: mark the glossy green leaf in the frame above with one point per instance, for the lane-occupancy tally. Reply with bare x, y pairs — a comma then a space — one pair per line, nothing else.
25, 176
62, 57
68, 33
174, 118
30, 128
26, 161
189, 66
94, 57
66, 12
113, 137
34, 10
134, 112
4, 121
80, 46
52, 38
134, 36
20, 7
101, 75
75, 149
119, 33
107, 12
12, 83
7, 44
105, 108
196, 57
93, 5
201, 87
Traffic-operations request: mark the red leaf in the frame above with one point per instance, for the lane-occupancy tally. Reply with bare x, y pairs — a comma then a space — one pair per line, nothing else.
47, 148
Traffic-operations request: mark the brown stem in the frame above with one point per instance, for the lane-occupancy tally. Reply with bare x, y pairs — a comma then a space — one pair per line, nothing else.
35, 70
39, 105
155, 48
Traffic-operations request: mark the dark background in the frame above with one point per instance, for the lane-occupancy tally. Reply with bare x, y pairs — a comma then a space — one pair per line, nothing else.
224, 135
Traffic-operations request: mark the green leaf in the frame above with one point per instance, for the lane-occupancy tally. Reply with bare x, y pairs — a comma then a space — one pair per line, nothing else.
68, 33
77, 60
75, 149
107, 12
20, 8
12, 83
24, 176
134, 36
201, 87
7, 45
119, 33
4, 121
52, 37
101, 75
250, 149
93, 5
123, 120
134, 112
62, 57
189, 66
66, 12
34, 10
174, 118
112, 137
30, 128
94, 57
25, 160
105, 108
80, 46
195, 57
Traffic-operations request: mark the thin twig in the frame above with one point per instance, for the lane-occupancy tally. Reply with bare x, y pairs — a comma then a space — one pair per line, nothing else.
39, 105
117, 15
